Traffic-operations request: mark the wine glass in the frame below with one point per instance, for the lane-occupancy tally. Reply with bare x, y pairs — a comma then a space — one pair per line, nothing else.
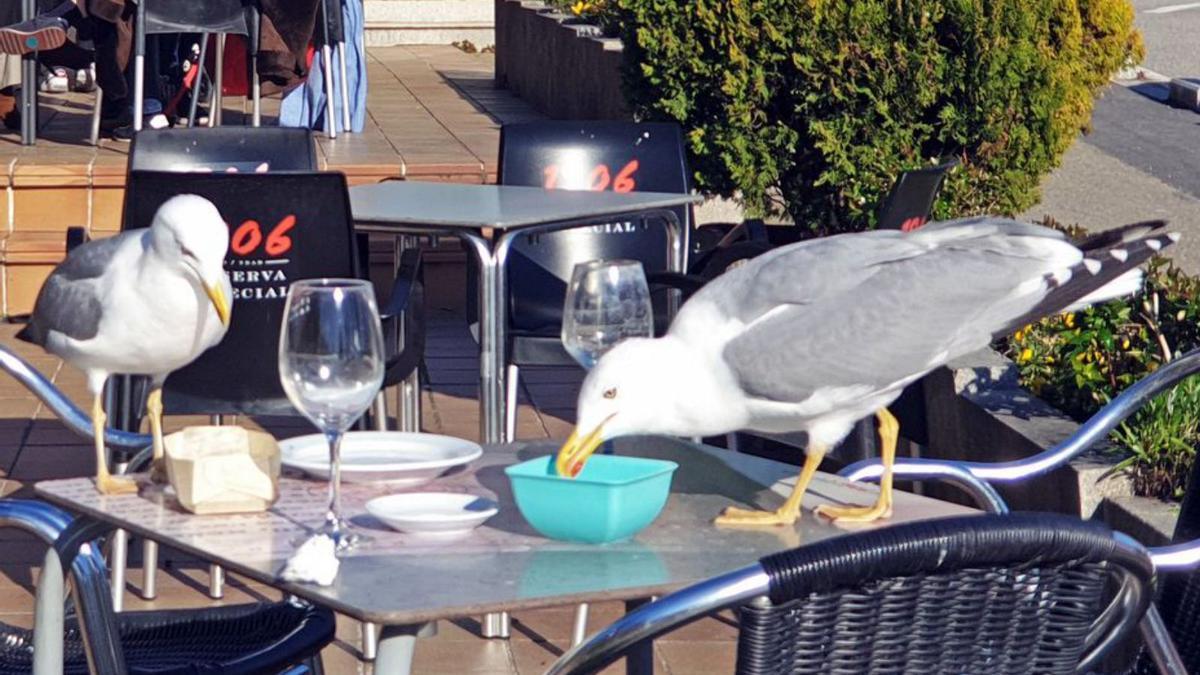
331, 367
607, 302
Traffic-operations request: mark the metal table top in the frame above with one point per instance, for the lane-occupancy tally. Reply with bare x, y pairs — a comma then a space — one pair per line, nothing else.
500, 207
504, 565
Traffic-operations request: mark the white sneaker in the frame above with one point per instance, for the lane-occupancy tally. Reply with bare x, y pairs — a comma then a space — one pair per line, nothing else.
158, 121
55, 82
85, 79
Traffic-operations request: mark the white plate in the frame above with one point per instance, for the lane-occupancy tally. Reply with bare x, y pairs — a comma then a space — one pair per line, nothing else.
398, 458
442, 514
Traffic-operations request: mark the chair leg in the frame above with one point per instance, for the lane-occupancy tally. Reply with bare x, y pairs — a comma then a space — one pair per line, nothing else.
579, 630
370, 641
139, 66
199, 82
410, 402
215, 109
341, 48
330, 107
216, 573
149, 569
96, 113
380, 411
315, 665
512, 381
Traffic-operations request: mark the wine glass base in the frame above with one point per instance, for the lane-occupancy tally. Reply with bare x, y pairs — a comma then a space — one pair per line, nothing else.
344, 535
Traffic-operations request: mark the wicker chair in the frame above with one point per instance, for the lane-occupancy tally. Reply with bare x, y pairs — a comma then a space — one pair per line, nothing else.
1170, 638
237, 639
979, 594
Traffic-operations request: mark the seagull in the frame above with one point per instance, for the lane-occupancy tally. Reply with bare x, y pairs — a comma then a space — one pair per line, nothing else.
143, 302
817, 335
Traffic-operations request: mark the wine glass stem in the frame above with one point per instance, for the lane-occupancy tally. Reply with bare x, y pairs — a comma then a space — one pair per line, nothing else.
334, 514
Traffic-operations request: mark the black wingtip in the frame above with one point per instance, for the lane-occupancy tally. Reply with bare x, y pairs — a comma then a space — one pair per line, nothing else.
1121, 235
26, 335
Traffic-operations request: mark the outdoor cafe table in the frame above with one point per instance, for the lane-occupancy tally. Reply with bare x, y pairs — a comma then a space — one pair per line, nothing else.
470, 211
405, 583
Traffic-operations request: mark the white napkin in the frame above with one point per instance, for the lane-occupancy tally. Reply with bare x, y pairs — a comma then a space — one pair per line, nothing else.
315, 562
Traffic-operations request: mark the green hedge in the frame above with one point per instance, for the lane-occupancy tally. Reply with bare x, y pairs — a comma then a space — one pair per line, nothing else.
814, 106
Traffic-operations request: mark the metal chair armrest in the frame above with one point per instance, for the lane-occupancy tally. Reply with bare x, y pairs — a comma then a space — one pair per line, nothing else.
75, 419
955, 473
661, 616
93, 602
1096, 428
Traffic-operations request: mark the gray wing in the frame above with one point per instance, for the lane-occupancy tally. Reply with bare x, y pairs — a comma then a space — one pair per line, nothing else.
68, 302
879, 311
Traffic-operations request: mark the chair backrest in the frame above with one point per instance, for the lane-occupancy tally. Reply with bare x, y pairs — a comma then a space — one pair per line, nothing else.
618, 156
1021, 593
246, 149
910, 202
189, 16
283, 227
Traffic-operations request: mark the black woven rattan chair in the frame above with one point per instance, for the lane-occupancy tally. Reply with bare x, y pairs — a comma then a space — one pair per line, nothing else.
1170, 637
983, 594
236, 639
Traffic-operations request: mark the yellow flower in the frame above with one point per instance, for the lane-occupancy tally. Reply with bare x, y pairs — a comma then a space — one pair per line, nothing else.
581, 7
1019, 335
1125, 344
1069, 319
1025, 355
1049, 359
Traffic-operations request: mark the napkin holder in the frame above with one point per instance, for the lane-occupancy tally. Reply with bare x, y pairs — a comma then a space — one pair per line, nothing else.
223, 469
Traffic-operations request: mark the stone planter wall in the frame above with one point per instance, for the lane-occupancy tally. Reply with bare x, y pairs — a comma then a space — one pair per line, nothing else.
976, 411
563, 69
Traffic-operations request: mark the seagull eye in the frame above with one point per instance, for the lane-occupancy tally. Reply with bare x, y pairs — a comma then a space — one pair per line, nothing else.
610, 393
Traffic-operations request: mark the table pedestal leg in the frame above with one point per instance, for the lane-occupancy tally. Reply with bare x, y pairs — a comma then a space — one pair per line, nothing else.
394, 654
639, 660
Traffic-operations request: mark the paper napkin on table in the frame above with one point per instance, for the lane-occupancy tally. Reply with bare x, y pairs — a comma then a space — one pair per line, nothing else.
315, 562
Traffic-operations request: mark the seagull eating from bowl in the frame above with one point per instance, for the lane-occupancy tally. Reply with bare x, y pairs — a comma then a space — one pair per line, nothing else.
142, 302
817, 335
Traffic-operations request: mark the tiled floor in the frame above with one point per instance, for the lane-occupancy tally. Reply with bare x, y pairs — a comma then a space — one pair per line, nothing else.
33, 446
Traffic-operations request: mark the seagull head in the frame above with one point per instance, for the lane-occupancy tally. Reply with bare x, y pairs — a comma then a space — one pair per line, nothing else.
189, 231
648, 386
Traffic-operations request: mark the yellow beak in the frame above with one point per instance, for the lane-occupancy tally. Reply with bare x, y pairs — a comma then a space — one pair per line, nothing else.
217, 295
575, 452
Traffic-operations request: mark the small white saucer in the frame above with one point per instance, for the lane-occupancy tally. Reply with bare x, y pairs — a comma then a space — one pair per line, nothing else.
444, 514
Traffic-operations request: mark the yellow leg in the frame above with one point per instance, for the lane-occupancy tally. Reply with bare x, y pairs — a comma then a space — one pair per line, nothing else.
106, 483
787, 514
154, 410
889, 432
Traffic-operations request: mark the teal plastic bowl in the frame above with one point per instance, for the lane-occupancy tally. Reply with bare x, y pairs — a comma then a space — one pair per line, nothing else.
612, 499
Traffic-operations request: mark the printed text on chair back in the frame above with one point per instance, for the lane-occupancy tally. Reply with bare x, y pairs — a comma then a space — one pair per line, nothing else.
223, 148
616, 156
283, 227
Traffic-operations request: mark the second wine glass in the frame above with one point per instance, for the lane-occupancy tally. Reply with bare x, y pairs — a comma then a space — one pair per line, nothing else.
607, 301
331, 364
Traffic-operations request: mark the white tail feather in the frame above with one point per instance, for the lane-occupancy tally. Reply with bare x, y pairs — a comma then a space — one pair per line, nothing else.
1126, 284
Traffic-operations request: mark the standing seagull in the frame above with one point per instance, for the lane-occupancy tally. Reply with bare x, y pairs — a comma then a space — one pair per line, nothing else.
817, 335
143, 302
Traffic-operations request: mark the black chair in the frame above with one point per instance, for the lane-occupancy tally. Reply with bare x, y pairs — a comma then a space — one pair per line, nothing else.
619, 156
1178, 600
220, 17
251, 638
285, 227
978, 594
910, 202
223, 148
